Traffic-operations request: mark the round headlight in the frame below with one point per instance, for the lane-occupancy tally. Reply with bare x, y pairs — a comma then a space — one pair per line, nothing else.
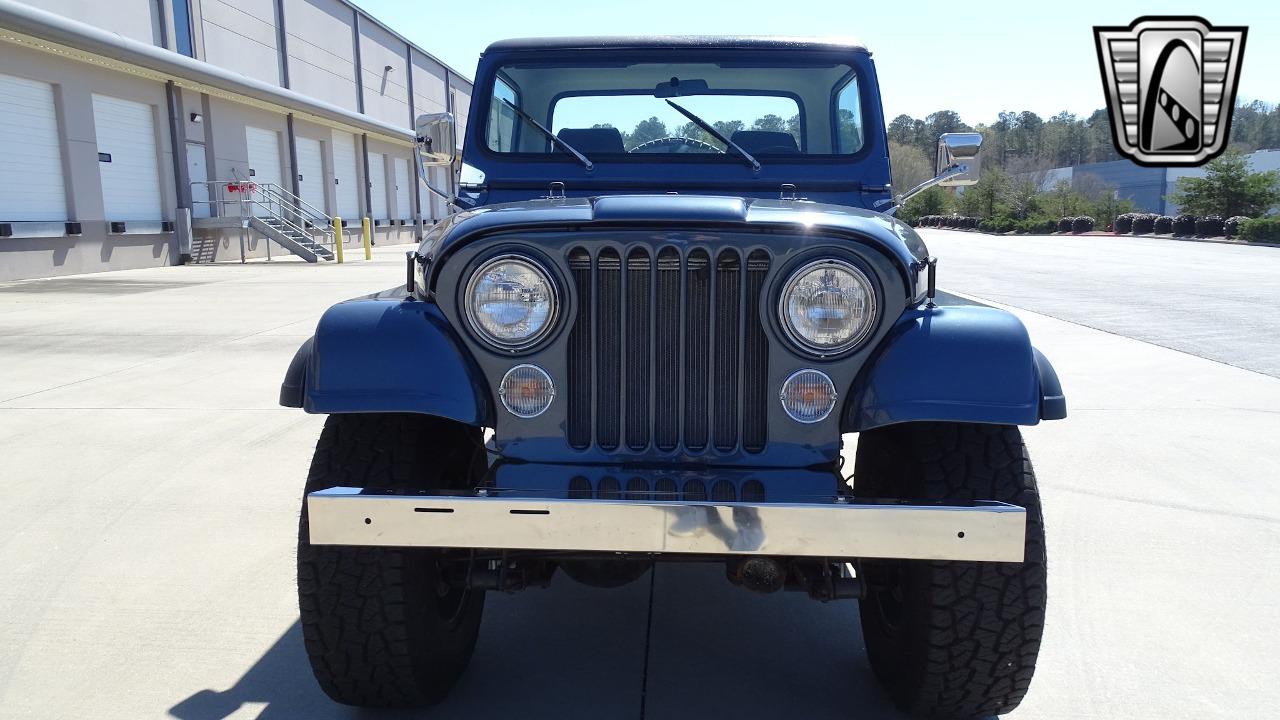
828, 306
511, 302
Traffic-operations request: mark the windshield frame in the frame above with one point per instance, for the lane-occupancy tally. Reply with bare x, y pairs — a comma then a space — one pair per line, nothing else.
492, 67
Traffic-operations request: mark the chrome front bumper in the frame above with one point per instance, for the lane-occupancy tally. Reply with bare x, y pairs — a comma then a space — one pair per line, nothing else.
989, 531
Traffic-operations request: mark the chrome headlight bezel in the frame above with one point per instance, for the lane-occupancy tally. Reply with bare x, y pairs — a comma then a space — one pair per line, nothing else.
469, 310
863, 332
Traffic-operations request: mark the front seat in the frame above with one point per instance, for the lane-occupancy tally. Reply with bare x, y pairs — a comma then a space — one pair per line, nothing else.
766, 142
593, 141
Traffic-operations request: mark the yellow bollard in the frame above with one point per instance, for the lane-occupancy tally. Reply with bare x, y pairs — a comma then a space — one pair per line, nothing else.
337, 238
368, 238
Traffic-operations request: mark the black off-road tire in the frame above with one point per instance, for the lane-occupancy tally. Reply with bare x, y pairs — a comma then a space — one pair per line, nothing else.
953, 639
381, 628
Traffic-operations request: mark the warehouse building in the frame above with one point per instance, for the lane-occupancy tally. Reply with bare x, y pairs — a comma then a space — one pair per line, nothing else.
1149, 188
139, 133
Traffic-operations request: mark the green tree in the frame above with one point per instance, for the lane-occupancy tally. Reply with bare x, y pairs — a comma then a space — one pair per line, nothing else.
848, 132
770, 123
906, 130
1228, 188
986, 198
647, 130
910, 167
1063, 201
793, 127
691, 130
728, 127
933, 201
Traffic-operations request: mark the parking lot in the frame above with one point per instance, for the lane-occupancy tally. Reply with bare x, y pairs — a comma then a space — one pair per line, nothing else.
150, 485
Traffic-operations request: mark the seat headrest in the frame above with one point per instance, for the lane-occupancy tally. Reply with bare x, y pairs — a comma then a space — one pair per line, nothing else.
775, 143
593, 140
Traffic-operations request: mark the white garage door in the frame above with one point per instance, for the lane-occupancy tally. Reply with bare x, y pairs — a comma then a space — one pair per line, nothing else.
31, 186
127, 159
345, 176
311, 173
404, 182
264, 159
378, 187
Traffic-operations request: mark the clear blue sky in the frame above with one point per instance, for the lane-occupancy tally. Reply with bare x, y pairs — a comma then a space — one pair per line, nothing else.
974, 58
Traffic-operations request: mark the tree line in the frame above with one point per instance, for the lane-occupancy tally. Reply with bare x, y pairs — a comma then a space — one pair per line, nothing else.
1024, 141
1018, 149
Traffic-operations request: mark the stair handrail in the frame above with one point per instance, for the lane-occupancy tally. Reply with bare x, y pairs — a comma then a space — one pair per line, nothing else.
280, 216
299, 207
300, 204
281, 205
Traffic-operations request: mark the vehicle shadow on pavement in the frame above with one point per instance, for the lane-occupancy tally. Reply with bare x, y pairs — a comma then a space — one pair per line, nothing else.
680, 642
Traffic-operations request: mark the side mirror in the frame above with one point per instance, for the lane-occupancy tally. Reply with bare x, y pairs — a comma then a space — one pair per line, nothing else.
436, 139
958, 159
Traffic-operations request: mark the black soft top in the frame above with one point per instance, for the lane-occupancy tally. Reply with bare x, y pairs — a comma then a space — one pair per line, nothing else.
658, 42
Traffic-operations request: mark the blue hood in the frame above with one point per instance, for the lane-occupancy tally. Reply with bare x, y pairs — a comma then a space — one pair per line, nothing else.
896, 239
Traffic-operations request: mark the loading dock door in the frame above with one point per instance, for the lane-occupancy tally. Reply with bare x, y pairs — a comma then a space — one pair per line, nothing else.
378, 187
311, 173
264, 159
127, 159
404, 183
345, 176
31, 184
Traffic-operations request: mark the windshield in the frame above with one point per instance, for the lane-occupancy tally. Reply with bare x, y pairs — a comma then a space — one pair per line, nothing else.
618, 111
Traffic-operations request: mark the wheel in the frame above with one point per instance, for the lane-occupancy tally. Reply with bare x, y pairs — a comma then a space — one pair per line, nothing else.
381, 627
953, 639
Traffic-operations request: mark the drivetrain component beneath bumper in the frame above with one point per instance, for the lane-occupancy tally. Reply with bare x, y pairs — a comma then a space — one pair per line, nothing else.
989, 531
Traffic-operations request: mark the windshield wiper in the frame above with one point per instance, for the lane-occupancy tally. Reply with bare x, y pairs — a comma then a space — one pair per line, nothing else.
755, 164
550, 135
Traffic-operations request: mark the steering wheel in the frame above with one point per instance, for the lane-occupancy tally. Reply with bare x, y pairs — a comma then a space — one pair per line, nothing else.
675, 144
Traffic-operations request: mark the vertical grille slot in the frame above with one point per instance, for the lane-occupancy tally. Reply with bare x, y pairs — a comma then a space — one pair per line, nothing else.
728, 321
755, 367
697, 348
580, 374
666, 399
609, 349
668, 350
637, 343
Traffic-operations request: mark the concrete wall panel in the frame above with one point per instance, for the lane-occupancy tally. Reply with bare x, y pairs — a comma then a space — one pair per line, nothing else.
386, 91
321, 52
428, 85
240, 35
134, 19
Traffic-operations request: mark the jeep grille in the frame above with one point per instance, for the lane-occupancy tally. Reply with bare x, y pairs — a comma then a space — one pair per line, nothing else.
671, 350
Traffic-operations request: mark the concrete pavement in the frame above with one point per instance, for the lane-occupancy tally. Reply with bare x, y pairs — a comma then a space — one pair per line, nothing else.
150, 488
1213, 300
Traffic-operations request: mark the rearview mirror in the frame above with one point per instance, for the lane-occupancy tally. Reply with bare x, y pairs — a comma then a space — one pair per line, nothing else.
436, 139
675, 87
958, 158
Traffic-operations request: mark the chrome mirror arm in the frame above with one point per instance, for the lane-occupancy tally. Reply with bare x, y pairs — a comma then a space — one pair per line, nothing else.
946, 174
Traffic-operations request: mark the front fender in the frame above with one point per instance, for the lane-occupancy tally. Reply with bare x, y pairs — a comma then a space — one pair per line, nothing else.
386, 355
956, 364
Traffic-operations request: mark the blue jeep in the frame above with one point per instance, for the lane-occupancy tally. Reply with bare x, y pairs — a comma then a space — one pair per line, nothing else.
658, 346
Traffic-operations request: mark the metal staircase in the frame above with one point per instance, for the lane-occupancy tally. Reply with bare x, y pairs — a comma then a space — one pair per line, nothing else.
274, 213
